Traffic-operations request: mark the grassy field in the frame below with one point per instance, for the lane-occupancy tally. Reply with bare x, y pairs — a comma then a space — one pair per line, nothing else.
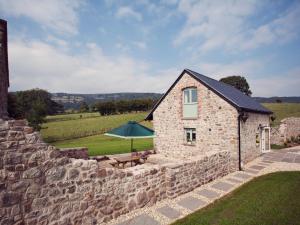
71, 126
104, 145
270, 199
86, 130
71, 116
283, 110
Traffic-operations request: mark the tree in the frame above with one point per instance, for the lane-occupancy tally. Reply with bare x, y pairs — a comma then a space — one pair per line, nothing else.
239, 83
278, 100
33, 105
84, 107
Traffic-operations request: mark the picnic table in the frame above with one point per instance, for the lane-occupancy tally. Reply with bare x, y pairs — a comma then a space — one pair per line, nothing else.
125, 159
132, 159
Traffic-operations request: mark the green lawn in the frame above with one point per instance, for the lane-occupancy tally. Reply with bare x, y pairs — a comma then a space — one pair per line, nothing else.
86, 130
71, 126
283, 110
104, 145
273, 199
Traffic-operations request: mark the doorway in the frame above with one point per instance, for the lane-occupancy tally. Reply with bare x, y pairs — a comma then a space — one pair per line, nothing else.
265, 139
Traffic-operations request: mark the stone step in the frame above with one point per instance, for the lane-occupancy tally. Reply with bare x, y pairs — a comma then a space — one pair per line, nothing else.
207, 193
191, 203
222, 186
242, 176
142, 219
169, 212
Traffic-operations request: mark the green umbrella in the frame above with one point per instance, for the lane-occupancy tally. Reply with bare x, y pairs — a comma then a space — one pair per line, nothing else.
131, 130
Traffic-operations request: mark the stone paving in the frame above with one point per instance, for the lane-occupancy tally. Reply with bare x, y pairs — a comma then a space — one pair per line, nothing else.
168, 211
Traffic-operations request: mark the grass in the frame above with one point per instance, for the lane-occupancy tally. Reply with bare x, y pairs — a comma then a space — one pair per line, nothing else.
283, 110
71, 126
104, 145
276, 147
71, 116
269, 199
86, 130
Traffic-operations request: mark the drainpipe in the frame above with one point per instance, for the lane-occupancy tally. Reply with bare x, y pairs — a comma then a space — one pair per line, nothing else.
239, 137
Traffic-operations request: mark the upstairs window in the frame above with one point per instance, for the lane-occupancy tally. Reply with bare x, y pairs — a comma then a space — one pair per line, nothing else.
190, 103
190, 135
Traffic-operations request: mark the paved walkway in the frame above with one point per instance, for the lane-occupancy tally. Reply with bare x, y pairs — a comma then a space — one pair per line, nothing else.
169, 210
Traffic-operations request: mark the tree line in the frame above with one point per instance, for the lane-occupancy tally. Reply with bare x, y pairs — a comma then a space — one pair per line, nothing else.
119, 107
33, 105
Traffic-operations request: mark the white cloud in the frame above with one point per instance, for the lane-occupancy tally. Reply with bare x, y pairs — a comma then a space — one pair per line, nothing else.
227, 25
128, 12
140, 44
39, 64
267, 85
58, 15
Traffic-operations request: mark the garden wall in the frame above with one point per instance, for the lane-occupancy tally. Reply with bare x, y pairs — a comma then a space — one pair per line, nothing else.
185, 177
40, 186
289, 127
76, 153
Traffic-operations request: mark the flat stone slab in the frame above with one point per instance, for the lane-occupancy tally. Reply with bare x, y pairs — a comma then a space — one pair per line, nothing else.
234, 180
297, 160
143, 219
267, 161
252, 171
289, 160
257, 167
169, 212
208, 193
223, 186
191, 203
242, 176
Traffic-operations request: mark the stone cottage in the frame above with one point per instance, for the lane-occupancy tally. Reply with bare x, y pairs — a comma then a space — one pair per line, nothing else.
199, 115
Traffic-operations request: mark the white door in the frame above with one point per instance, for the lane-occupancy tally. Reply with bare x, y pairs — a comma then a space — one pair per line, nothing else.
265, 139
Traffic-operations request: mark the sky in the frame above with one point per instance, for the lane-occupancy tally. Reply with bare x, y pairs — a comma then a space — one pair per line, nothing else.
81, 46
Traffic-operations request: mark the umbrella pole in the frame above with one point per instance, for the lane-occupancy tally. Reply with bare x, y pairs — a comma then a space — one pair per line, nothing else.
131, 149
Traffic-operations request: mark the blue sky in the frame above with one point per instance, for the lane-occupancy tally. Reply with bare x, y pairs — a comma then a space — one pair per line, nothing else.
82, 46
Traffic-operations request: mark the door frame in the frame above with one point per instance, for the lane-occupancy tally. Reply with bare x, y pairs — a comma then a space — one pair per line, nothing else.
263, 139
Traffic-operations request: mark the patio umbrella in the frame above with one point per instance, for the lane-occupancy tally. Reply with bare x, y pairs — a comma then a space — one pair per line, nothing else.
131, 130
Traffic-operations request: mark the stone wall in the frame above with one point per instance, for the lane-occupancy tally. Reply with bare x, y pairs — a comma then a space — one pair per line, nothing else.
40, 186
77, 153
289, 127
216, 125
185, 177
249, 129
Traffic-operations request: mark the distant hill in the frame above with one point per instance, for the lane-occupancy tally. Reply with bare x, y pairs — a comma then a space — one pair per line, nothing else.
73, 101
274, 99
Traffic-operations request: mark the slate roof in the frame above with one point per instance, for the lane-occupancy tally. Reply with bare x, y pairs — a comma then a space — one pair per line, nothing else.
232, 95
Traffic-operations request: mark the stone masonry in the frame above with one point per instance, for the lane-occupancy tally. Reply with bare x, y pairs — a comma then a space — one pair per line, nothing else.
289, 127
249, 130
38, 185
216, 125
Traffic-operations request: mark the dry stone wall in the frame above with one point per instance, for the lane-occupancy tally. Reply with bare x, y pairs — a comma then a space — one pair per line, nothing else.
38, 185
76, 153
185, 177
289, 127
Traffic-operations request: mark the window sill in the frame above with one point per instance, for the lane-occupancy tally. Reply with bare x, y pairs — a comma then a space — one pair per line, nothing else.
189, 118
186, 144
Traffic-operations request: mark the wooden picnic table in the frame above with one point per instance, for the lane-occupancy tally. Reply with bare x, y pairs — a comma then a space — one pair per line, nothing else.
125, 159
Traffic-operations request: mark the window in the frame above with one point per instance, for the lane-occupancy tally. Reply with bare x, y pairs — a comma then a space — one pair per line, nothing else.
190, 103
190, 135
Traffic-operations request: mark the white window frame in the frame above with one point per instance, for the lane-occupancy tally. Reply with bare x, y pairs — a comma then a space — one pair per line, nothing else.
191, 140
189, 103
